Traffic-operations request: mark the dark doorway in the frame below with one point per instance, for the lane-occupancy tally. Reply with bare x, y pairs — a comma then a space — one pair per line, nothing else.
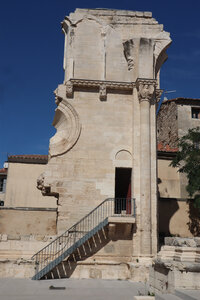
123, 190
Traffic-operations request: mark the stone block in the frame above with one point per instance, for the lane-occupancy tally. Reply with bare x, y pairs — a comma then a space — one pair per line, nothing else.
147, 14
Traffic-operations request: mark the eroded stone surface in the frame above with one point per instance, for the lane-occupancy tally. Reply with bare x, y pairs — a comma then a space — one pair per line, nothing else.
106, 106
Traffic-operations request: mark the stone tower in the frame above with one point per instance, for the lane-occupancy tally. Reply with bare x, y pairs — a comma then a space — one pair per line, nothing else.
106, 121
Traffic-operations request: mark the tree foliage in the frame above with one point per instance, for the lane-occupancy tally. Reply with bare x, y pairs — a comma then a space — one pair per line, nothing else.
188, 161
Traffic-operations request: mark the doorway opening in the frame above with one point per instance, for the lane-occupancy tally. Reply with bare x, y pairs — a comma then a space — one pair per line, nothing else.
123, 190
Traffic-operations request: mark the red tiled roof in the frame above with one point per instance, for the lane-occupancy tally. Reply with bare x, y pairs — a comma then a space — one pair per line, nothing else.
166, 148
33, 156
180, 99
28, 158
3, 171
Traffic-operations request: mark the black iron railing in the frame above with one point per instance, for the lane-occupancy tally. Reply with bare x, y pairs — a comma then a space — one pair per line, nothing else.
65, 244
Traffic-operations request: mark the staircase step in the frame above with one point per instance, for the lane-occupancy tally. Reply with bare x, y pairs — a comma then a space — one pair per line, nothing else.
48, 260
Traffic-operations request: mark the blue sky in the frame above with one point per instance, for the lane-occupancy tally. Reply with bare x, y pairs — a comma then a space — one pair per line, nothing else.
31, 54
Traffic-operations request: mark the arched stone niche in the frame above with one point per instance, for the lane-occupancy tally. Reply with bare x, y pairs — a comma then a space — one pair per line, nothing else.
123, 159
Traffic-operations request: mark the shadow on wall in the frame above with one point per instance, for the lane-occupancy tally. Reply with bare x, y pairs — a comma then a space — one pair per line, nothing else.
167, 207
194, 219
100, 240
178, 217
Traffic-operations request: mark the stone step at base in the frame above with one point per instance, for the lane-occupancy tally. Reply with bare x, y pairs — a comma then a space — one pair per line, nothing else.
188, 294
167, 297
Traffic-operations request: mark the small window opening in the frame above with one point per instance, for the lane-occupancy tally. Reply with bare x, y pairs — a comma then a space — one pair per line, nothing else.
2, 184
195, 113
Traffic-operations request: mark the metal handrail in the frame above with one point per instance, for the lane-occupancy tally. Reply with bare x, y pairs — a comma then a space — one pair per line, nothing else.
81, 231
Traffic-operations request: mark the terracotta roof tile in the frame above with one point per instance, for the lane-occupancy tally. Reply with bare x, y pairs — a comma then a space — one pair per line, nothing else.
34, 158
180, 99
3, 171
166, 148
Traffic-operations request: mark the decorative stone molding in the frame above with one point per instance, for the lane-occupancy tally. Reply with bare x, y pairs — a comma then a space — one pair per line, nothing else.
109, 84
146, 89
158, 95
68, 127
128, 53
102, 85
102, 92
69, 89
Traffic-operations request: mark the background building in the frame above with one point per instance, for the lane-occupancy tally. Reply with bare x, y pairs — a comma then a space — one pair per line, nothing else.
177, 215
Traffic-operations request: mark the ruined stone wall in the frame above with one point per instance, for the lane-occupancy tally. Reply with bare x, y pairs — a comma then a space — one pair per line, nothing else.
21, 187
167, 126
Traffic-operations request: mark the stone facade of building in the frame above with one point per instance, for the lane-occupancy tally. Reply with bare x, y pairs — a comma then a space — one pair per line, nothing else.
105, 121
106, 129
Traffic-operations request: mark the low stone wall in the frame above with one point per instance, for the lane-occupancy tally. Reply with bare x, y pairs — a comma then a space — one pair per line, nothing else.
16, 253
17, 268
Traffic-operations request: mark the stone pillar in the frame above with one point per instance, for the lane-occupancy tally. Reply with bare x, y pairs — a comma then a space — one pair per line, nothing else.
146, 94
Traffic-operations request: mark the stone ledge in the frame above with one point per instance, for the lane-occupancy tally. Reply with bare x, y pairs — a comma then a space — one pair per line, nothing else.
182, 242
28, 208
124, 220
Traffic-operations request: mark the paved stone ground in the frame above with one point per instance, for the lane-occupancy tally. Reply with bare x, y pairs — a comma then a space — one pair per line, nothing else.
76, 289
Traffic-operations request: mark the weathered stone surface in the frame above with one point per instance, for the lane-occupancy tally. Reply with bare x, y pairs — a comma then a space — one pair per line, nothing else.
176, 266
21, 188
26, 223
167, 125
182, 242
105, 119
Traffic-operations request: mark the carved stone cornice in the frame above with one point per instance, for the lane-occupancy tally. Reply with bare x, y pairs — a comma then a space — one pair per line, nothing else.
146, 89
102, 85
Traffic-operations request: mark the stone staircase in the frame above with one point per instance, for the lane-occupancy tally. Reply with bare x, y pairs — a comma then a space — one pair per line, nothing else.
67, 243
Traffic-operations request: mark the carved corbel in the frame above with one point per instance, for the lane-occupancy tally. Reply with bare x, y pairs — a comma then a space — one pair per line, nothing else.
158, 95
69, 89
45, 189
58, 100
40, 185
146, 90
102, 92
